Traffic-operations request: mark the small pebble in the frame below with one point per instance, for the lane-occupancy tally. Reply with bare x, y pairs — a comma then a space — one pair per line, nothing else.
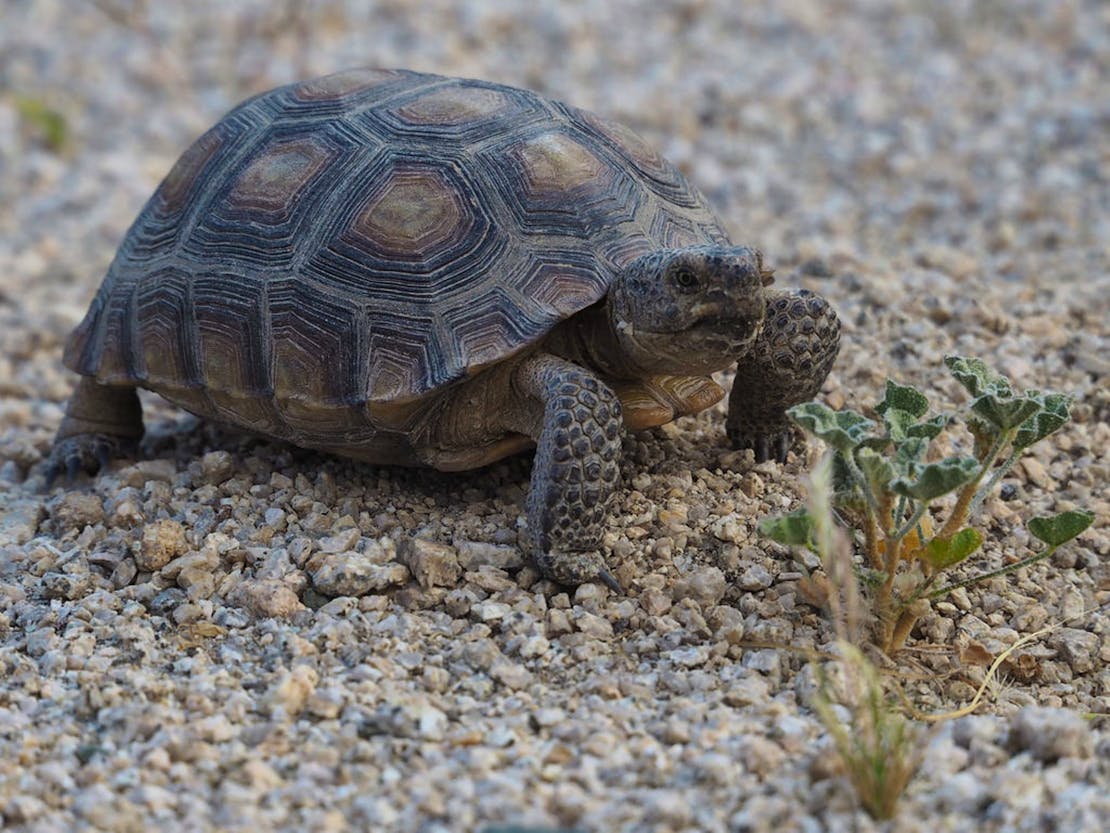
161, 542
1050, 734
473, 554
706, 586
431, 564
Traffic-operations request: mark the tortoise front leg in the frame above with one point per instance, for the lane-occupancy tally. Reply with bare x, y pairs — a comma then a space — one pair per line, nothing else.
101, 422
787, 365
575, 419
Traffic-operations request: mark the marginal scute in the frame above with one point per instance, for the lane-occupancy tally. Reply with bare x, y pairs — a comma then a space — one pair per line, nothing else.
559, 284
232, 342
677, 228
116, 346
488, 328
316, 352
164, 326
659, 174
399, 354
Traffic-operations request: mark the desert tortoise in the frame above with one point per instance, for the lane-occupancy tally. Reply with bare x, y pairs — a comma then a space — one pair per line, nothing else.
410, 269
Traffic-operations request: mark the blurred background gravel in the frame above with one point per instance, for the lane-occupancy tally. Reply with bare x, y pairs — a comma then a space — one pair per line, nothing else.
938, 170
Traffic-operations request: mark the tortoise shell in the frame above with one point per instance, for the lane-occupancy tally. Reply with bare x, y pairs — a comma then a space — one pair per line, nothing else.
369, 237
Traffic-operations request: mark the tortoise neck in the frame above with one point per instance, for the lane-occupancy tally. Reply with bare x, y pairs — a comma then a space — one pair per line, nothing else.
588, 339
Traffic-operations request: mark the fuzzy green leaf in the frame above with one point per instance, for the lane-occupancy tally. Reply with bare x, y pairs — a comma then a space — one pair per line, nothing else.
842, 430
1055, 412
876, 468
929, 428
898, 422
794, 529
976, 377
874, 442
1005, 412
847, 492
1059, 529
942, 553
936, 479
908, 454
903, 398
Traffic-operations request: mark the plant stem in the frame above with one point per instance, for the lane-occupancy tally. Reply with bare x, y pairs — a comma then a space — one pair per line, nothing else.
914, 520
968, 494
902, 628
871, 541
1001, 571
996, 476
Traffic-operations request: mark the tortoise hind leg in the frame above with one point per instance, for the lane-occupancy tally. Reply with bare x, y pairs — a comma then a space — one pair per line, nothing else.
102, 422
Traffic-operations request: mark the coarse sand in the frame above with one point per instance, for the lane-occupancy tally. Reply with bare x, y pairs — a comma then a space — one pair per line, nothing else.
230, 634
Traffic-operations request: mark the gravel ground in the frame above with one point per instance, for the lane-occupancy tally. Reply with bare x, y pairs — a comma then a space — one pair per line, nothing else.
170, 651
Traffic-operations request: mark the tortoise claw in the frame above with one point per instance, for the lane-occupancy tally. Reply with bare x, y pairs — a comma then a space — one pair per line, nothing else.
50, 473
771, 446
88, 453
609, 581
103, 456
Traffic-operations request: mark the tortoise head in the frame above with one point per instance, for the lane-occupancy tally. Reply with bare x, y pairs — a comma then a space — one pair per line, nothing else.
689, 311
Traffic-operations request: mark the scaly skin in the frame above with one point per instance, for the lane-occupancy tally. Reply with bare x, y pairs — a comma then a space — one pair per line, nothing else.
576, 467
786, 365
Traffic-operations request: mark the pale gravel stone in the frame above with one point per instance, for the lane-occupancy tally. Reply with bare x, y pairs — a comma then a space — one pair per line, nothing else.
216, 467
353, 574
75, 510
161, 542
706, 586
592, 625
292, 691
756, 577
474, 554
655, 602
1079, 648
431, 564
340, 542
1050, 734
270, 597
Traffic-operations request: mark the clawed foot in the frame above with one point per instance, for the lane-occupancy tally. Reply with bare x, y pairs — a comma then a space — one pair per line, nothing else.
773, 445
89, 453
574, 568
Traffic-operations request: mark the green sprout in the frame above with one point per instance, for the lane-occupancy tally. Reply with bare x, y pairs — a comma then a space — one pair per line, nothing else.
886, 485
49, 124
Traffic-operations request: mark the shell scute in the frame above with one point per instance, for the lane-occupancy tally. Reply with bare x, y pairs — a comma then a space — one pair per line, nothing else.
555, 184
318, 344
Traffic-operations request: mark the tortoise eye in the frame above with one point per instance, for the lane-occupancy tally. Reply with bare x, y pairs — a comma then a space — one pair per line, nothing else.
684, 278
